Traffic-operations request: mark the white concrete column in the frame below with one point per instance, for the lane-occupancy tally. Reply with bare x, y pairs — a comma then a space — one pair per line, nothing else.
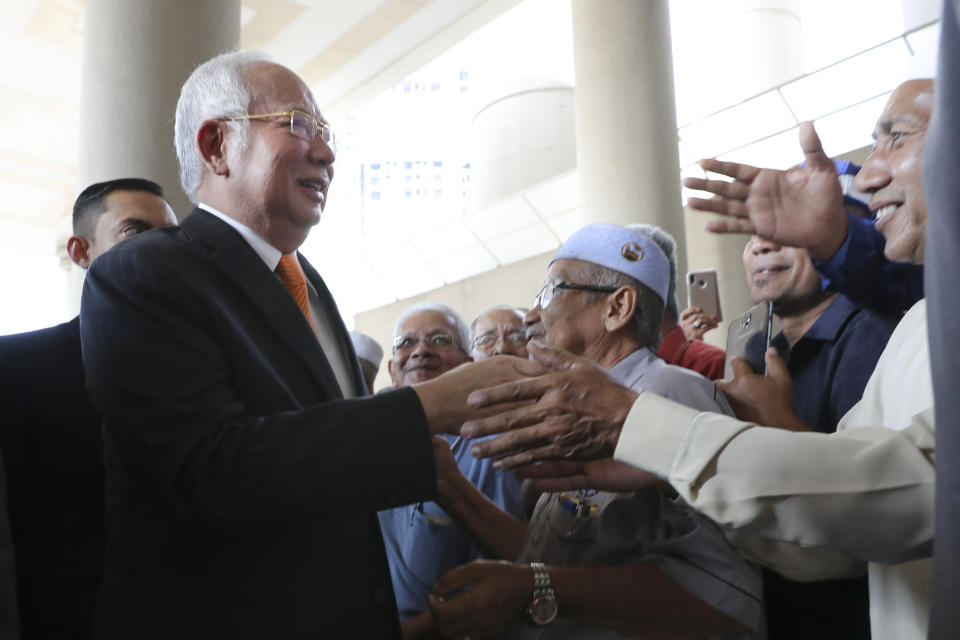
136, 55
626, 116
770, 37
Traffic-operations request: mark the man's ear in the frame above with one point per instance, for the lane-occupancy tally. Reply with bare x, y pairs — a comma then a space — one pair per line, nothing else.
619, 310
78, 248
213, 146
393, 380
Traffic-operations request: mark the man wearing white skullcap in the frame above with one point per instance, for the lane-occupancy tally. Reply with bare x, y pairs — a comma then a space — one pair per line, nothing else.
594, 563
370, 354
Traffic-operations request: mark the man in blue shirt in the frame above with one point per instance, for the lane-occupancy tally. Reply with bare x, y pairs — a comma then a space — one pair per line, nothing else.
422, 541
831, 346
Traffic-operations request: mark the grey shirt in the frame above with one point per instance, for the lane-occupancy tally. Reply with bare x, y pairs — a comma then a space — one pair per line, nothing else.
626, 528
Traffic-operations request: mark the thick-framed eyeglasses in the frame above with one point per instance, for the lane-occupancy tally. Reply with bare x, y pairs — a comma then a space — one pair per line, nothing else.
513, 338
302, 125
549, 291
439, 341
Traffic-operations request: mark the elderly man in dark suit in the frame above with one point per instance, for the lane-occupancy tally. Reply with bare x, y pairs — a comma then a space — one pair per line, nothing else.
243, 473
50, 433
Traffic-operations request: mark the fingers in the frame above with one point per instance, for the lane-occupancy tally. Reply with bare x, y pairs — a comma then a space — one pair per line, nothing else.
551, 357
508, 443
812, 149
776, 367
527, 367
689, 311
732, 208
551, 469
529, 456
741, 370
731, 225
722, 188
454, 581
528, 389
735, 170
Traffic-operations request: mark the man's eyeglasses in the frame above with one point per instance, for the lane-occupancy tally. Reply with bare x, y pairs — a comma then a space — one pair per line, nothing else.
438, 341
549, 291
302, 125
487, 341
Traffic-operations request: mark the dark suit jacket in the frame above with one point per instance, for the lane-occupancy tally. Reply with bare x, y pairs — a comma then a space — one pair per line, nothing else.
53, 449
241, 489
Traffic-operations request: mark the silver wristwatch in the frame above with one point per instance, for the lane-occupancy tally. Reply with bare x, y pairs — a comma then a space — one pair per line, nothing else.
543, 608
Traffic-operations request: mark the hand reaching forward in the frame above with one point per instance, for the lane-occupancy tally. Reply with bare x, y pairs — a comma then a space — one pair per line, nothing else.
444, 398
481, 599
764, 400
797, 207
606, 475
577, 412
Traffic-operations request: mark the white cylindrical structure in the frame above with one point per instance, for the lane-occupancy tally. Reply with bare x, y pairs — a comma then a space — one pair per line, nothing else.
770, 37
626, 118
523, 136
136, 55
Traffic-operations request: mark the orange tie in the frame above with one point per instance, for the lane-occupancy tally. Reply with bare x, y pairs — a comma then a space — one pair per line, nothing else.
292, 278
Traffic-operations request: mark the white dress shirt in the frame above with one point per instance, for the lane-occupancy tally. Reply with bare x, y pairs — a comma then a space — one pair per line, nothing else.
322, 322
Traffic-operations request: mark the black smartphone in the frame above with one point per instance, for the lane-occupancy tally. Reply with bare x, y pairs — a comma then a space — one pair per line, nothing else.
748, 337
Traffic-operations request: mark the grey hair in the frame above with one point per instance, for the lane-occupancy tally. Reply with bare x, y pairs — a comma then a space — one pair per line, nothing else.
500, 307
669, 247
463, 332
216, 89
647, 317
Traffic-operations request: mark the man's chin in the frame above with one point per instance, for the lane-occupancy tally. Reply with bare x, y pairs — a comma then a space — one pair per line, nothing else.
906, 252
419, 375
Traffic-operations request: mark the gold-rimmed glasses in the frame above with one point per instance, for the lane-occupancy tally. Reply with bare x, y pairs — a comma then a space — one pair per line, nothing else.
302, 125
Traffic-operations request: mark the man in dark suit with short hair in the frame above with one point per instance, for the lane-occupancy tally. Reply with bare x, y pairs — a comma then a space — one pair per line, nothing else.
50, 433
243, 472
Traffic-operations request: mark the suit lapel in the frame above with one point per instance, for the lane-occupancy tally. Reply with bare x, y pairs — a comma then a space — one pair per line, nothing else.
234, 257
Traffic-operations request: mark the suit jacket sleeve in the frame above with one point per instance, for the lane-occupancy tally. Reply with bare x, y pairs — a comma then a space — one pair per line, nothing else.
212, 414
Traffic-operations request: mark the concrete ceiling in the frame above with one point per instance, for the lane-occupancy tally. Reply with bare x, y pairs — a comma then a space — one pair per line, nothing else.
347, 52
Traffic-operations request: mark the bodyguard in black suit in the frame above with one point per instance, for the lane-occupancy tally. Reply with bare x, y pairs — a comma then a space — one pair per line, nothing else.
242, 482
50, 434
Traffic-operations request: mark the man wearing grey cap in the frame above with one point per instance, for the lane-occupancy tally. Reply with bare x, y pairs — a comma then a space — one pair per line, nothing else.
594, 563
370, 354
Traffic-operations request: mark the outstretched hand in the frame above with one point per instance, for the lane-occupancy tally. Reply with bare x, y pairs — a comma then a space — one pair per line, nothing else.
765, 400
444, 398
606, 474
799, 207
573, 411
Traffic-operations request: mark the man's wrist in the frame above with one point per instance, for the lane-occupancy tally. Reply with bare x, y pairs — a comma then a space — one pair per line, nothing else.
833, 241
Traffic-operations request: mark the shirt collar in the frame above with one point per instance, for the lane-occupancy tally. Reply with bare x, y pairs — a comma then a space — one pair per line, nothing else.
639, 360
267, 252
831, 322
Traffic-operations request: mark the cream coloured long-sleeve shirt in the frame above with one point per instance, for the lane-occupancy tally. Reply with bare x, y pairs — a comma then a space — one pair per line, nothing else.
814, 505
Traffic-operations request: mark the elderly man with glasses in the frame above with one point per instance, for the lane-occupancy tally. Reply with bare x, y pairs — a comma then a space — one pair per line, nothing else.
499, 331
601, 564
244, 473
422, 541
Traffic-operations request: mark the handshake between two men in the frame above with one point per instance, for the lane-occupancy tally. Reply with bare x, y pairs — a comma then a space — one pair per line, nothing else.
558, 417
